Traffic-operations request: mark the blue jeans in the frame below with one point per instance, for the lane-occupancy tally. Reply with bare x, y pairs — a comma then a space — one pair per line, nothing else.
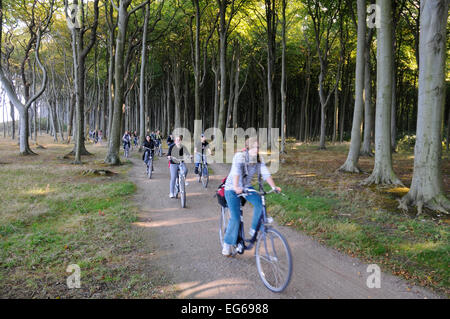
146, 156
234, 204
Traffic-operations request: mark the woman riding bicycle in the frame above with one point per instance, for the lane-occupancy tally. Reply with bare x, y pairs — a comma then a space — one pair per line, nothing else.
126, 139
245, 165
175, 155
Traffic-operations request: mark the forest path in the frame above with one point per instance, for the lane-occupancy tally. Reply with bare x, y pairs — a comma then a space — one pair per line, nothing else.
186, 247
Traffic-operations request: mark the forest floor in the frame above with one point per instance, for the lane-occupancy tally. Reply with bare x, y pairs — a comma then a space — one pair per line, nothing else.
364, 222
131, 241
53, 215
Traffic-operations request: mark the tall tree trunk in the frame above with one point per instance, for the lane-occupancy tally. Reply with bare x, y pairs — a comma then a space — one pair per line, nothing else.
176, 84
427, 187
215, 69
394, 93
231, 93
283, 79
186, 101
142, 79
368, 108
335, 116
351, 164
223, 29
383, 172
112, 157
271, 33
13, 121
168, 112
237, 88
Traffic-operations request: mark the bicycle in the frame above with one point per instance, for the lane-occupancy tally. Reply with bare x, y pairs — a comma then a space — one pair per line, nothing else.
272, 252
149, 162
159, 149
203, 173
180, 182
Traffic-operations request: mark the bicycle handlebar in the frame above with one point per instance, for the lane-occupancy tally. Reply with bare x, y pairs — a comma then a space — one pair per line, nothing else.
178, 159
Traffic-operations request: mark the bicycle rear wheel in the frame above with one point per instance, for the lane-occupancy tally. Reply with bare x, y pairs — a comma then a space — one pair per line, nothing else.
182, 192
200, 171
273, 260
205, 177
223, 223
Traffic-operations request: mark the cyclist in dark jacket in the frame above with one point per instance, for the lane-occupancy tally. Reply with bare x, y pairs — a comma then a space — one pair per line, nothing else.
176, 153
170, 141
150, 145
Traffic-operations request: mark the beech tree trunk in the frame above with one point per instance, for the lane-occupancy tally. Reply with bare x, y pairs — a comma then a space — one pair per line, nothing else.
383, 172
351, 164
283, 79
368, 108
142, 85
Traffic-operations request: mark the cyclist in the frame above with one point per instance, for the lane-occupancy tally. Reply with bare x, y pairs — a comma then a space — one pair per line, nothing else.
149, 149
135, 138
126, 139
245, 165
158, 139
170, 141
176, 153
203, 146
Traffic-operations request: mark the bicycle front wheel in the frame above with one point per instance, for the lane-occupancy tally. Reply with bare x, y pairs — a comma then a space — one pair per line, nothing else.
200, 169
150, 169
273, 260
182, 192
223, 223
205, 177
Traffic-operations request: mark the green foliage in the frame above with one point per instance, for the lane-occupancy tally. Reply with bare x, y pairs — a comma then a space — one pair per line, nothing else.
407, 143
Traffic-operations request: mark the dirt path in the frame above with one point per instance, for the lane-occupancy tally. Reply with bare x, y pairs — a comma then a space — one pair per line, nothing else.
187, 248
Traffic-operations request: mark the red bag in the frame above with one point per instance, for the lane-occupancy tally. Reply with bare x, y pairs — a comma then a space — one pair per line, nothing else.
220, 193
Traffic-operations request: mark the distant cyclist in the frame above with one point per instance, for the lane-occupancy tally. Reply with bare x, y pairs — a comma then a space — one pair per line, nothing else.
126, 140
158, 139
245, 165
135, 138
149, 149
170, 141
200, 150
177, 152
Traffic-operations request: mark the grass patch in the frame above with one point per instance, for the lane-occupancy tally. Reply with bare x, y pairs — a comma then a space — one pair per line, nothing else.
362, 222
52, 217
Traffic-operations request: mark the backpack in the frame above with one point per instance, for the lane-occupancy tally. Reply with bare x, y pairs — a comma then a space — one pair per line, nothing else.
220, 193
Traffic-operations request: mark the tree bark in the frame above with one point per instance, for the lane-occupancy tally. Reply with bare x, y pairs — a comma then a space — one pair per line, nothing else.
368, 108
351, 164
283, 79
112, 157
383, 172
142, 79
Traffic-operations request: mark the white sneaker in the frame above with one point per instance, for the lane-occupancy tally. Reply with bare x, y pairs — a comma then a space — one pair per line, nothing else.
227, 250
251, 232
171, 195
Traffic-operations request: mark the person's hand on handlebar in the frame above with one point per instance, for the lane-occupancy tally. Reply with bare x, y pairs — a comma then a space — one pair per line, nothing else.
276, 189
